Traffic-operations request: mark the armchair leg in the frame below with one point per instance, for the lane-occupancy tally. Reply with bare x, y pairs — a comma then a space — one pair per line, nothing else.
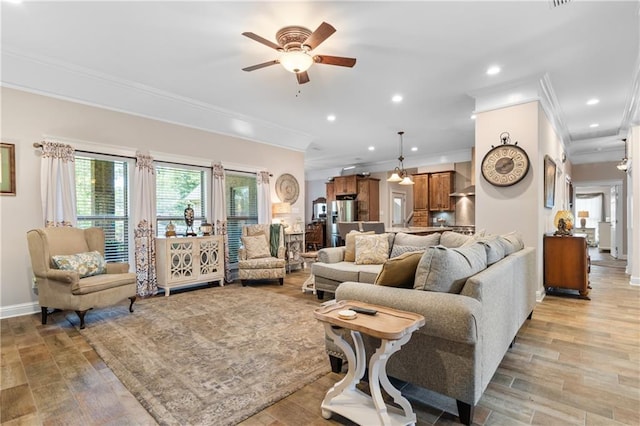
44, 311
281, 281
81, 316
320, 294
243, 282
465, 412
133, 299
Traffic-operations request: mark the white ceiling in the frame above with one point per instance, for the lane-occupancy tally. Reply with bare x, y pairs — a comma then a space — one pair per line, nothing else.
181, 62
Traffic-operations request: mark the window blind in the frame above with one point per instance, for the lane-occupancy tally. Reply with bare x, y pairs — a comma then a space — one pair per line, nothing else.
242, 207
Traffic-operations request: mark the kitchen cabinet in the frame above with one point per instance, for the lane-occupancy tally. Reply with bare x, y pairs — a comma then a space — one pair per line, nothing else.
421, 200
331, 193
368, 199
441, 184
345, 185
184, 261
566, 263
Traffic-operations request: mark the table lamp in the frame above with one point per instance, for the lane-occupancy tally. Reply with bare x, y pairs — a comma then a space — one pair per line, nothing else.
281, 209
583, 215
563, 222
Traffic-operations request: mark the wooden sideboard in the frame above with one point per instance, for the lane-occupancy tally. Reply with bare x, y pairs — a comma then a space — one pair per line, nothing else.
183, 261
566, 263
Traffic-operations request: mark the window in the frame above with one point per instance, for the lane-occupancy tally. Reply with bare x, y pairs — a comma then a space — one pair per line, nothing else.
102, 200
176, 188
242, 207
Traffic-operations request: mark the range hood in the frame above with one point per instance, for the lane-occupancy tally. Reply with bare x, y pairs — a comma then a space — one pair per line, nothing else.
468, 190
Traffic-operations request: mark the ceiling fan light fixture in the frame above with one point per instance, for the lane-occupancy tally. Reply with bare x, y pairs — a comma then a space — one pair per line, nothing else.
296, 61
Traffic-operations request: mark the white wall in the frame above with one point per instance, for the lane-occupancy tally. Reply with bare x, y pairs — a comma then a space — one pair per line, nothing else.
27, 118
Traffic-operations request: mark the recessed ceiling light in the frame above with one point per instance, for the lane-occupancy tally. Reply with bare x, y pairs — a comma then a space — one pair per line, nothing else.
473, 116
372, 148
331, 117
593, 101
396, 99
414, 148
593, 125
493, 70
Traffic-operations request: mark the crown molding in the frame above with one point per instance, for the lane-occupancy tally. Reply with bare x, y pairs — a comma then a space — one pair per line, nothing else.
49, 77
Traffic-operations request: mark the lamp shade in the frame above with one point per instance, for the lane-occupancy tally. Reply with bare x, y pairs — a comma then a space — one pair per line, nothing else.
563, 222
583, 213
281, 208
395, 177
406, 181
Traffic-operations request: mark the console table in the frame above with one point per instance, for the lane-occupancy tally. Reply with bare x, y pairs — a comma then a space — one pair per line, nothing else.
394, 328
294, 246
183, 261
566, 264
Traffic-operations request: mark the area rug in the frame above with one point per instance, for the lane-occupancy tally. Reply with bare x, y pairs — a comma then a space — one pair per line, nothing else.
212, 356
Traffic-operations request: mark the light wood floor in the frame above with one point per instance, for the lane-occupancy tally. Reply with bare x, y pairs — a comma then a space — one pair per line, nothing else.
576, 362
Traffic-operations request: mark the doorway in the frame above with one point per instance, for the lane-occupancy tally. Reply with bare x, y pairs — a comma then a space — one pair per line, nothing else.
398, 208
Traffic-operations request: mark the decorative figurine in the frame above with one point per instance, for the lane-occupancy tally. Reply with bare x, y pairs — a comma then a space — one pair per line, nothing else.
206, 228
170, 230
188, 219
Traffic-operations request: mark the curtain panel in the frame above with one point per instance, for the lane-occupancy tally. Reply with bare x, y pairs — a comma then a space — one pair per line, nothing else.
58, 184
144, 220
219, 212
264, 197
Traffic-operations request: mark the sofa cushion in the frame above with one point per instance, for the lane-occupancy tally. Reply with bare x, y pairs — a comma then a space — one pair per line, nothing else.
446, 269
262, 263
512, 242
102, 282
368, 273
340, 271
400, 250
350, 244
495, 248
403, 239
399, 271
372, 249
85, 264
256, 246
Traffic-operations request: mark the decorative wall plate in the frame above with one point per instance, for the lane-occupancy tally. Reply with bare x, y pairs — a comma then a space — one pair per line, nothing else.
287, 188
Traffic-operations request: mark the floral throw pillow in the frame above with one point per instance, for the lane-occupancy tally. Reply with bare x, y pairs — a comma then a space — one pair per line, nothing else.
85, 264
372, 249
256, 246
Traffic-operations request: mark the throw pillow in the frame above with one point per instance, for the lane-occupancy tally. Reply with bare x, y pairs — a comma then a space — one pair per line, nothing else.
446, 270
350, 244
399, 271
512, 242
372, 249
253, 230
399, 250
85, 264
256, 246
452, 239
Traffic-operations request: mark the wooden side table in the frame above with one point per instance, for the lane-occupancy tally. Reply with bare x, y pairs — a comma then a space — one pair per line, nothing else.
394, 328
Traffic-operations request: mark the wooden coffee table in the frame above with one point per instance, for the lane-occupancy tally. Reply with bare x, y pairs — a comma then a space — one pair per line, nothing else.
394, 328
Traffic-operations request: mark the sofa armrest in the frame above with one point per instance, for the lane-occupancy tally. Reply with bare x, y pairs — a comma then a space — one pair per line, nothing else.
62, 276
117, 268
331, 254
242, 253
448, 316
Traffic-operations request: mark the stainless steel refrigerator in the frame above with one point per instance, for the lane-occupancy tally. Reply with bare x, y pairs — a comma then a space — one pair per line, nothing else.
341, 211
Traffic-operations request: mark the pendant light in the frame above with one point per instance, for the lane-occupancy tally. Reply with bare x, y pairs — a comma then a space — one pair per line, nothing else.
399, 174
623, 165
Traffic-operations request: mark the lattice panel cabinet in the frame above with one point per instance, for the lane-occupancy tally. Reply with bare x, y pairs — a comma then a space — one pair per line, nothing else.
183, 261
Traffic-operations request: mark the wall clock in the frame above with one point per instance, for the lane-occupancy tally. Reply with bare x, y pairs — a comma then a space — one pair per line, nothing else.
505, 164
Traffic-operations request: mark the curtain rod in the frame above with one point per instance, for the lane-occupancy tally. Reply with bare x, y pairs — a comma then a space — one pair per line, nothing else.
39, 145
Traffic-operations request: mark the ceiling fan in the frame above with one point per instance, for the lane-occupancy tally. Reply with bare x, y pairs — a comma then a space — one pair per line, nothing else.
295, 43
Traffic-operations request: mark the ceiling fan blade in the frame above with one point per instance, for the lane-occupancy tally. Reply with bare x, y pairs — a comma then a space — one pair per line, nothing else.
302, 77
319, 35
262, 65
262, 40
335, 60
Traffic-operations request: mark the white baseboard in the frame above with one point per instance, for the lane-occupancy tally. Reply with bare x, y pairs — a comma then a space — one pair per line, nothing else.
540, 295
19, 310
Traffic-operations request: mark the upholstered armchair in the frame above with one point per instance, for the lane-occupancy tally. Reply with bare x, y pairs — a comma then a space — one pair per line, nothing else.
70, 275
262, 254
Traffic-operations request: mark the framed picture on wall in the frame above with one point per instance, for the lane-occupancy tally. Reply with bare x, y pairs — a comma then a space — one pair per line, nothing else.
549, 182
7, 169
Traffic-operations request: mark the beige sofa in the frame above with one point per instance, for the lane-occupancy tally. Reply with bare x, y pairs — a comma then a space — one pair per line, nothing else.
331, 269
466, 334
